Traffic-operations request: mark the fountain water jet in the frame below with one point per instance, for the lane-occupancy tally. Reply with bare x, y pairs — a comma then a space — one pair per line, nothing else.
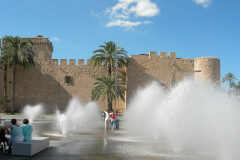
194, 117
33, 112
78, 117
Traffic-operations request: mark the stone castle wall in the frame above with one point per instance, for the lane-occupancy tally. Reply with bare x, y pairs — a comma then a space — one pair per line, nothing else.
46, 83
163, 68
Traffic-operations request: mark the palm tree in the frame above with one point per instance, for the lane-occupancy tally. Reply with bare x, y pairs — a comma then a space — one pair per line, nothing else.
4, 67
4, 61
110, 88
229, 78
19, 53
238, 88
111, 57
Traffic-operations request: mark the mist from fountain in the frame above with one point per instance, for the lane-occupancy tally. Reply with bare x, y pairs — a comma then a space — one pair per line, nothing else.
33, 112
78, 117
194, 117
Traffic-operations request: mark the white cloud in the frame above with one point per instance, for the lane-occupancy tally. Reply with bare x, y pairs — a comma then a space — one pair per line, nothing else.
145, 8
139, 8
123, 23
126, 23
54, 39
204, 3
122, 13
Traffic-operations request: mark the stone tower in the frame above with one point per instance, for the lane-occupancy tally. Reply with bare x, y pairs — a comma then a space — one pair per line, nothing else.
207, 68
42, 48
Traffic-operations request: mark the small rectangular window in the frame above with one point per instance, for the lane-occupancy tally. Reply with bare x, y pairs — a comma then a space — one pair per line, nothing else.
68, 80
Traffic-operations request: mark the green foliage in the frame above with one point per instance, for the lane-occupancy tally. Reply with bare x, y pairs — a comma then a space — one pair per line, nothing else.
110, 56
108, 87
16, 51
230, 79
3, 101
2, 104
233, 85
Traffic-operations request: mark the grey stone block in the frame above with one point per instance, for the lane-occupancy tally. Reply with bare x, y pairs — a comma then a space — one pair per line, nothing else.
37, 145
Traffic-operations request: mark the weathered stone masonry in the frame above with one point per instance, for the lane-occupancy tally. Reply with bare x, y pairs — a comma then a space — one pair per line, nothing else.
54, 82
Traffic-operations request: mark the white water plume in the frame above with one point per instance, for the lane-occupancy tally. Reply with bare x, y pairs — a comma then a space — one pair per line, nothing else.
196, 117
33, 112
78, 117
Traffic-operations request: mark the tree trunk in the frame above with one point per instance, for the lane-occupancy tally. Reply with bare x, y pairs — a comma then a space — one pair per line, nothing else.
5, 88
13, 88
110, 70
109, 106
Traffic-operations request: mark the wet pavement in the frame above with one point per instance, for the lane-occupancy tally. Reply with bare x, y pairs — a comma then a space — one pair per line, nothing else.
95, 145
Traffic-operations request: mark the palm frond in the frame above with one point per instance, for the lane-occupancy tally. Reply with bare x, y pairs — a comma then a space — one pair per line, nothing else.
110, 56
107, 87
17, 52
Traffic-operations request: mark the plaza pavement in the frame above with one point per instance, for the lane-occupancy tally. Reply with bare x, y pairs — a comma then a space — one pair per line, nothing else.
82, 147
93, 146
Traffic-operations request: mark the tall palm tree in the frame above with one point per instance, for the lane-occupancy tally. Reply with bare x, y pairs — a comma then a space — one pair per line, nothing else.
111, 57
19, 52
4, 67
229, 78
4, 61
108, 87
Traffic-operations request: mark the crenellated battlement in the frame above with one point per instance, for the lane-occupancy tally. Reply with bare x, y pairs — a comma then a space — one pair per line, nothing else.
70, 62
153, 54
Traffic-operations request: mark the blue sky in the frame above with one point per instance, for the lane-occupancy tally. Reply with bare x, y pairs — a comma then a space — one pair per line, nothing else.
191, 28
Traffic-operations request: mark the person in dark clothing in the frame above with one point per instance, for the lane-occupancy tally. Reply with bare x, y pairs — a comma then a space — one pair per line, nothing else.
4, 145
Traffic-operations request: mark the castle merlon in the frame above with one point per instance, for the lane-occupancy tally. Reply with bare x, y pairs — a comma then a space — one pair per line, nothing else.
153, 54
70, 62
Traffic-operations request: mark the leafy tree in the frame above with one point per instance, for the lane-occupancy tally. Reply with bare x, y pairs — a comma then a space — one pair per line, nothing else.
110, 88
111, 57
230, 79
17, 52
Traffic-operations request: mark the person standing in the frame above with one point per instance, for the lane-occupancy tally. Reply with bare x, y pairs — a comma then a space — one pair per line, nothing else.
16, 132
27, 130
113, 124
